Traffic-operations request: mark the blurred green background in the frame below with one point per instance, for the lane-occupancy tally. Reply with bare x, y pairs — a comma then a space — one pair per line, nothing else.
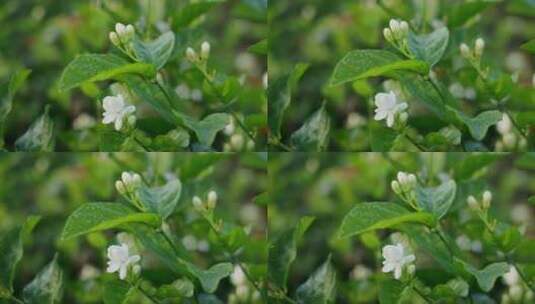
54, 185
45, 35
327, 185
321, 32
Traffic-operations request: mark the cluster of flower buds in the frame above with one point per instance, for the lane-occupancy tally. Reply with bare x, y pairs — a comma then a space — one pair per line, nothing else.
122, 35
405, 183
474, 54
195, 57
128, 183
474, 204
396, 34
209, 204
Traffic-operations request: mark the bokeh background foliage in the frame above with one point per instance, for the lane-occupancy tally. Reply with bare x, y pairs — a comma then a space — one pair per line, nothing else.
319, 33
54, 185
45, 35
326, 186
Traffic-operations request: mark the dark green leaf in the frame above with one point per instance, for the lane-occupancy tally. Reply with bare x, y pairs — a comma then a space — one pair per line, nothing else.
529, 46
6, 102
429, 47
436, 200
390, 291
283, 251
313, 134
379, 215
93, 217
320, 287
116, 291
39, 137
382, 138
46, 287
260, 48
361, 64
155, 52
161, 200
93, 67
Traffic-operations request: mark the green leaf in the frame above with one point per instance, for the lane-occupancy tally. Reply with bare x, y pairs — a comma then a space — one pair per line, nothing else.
454, 288
472, 163
6, 103
430, 243
155, 52
280, 95
260, 48
116, 291
390, 291
11, 251
207, 128
39, 137
320, 287
181, 288
283, 251
379, 215
314, 133
479, 125
361, 64
192, 11
93, 217
529, 46
487, 276
382, 138
93, 67
436, 200
173, 140
161, 200
46, 287
464, 11
429, 47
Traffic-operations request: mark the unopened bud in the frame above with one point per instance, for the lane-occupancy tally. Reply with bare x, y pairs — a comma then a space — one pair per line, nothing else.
191, 54
404, 27
212, 199
136, 269
465, 50
487, 198
136, 178
394, 26
114, 38
472, 203
250, 145
236, 141
402, 178
205, 50
480, 47
388, 35
197, 203
395, 187
132, 121
120, 29
119, 185
403, 117
130, 31
411, 269
412, 180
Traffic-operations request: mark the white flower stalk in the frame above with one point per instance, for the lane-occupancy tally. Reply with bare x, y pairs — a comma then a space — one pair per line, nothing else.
205, 50
121, 261
388, 108
396, 259
116, 110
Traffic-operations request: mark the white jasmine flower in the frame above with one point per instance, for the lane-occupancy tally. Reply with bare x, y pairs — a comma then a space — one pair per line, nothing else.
115, 110
388, 107
229, 128
511, 278
238, 276
120, 260
504, 126
395, 259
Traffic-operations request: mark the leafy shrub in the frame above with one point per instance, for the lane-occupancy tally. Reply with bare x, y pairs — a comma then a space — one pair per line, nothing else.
126, 63
401, 228
434, 71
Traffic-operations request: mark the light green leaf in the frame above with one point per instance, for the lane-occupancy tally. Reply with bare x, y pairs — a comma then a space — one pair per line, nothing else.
283, 251
93, 67
280, 95
314, 133
192, 11
39, 137
260, 48
11, 251
207, 128
436, 200
161, 200
173, 140
6, 102
479, 125
430, 47
454, 288
155, 52
361, 64
93, 217
320, 287
487, 276
390, 291
46, 287
181, 288
382, 138
116, 291
529, 46
379, 215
